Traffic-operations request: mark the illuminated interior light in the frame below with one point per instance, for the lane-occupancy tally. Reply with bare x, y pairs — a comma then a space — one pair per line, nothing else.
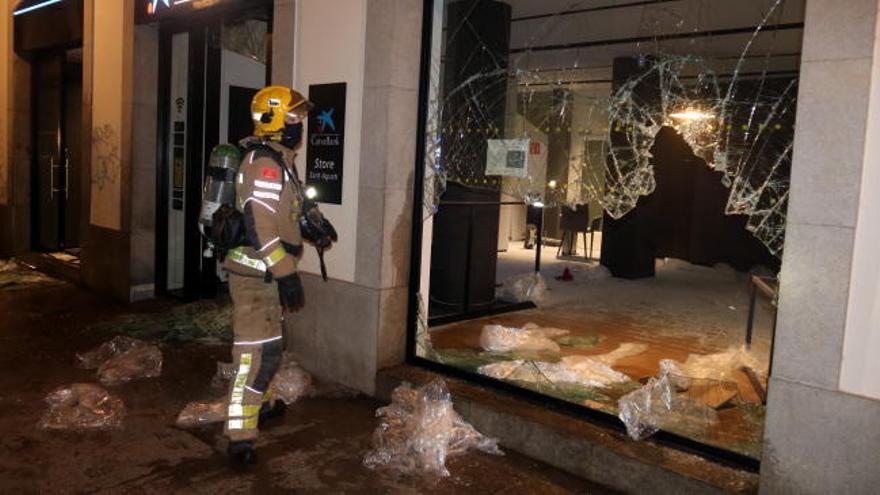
311, 193
538, 204
552, 184
691, 114
36, 7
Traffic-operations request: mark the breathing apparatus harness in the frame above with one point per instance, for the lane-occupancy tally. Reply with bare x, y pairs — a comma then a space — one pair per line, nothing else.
314, 228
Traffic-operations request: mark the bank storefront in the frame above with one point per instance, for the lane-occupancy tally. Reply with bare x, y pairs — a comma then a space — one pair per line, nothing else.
553, 205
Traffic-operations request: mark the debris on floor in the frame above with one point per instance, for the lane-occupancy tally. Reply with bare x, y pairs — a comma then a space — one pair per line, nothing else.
143, 361
578, 341
208, 321
549, 332
202, 413
566, 275
16, 276
658, 404
625, 350
722, 365
290, 382
122, 359
93, 359
420, 429
82, 406
530, 287
497, 338
578, 370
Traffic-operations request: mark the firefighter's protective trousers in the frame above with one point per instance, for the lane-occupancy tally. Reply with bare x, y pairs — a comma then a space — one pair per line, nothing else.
256, 352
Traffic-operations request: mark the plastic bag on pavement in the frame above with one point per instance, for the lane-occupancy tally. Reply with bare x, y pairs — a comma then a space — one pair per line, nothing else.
657, 405
524, 288
420, 429
93, 359
291, 382
141, 361
202, 413
497, 338
82, 406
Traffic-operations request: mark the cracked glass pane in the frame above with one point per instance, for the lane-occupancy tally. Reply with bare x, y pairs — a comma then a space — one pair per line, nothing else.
729, 91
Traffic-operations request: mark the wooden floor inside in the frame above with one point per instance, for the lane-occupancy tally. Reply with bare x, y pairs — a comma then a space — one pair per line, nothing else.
740, 423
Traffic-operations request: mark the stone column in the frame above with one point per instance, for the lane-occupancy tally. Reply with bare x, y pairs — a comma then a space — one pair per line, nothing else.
108, 66
350, 329
15, 141
819, 439
283, 36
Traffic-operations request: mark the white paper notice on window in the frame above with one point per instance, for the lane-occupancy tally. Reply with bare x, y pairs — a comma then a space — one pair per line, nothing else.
508, 157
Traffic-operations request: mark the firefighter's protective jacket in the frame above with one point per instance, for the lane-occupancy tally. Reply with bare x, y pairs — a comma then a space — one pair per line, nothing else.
270, 196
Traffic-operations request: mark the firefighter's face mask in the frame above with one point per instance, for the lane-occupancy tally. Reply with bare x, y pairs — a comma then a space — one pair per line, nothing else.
291, 136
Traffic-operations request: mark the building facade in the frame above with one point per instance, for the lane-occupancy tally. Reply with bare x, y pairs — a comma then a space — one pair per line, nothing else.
103, 120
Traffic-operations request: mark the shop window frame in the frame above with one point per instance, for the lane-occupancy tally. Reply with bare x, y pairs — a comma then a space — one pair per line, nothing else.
717, 454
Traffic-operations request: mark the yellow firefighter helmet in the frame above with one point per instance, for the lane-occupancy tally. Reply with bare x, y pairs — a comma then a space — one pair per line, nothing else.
273, 105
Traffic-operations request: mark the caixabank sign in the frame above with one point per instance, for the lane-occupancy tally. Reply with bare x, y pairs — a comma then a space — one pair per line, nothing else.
326, 141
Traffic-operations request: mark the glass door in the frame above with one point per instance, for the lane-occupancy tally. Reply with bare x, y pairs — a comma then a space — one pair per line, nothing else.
57, 117
213, 69
49, 160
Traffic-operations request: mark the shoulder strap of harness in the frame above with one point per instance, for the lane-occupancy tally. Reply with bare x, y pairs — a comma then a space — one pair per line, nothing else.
262, 150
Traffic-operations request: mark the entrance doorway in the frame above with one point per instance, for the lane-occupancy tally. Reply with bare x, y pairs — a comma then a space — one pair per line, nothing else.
57, 183
210, 71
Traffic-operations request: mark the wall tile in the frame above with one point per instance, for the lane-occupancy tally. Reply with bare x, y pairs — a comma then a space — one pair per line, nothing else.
819, 442
836, 29
394, 36
812, 305
397, 236
829, 142
391, 344
371, 211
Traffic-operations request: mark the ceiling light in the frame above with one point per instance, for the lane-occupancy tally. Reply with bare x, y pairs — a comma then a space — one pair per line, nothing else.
691, 114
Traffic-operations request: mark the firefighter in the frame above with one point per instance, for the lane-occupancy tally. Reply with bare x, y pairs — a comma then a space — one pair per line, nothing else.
263, 278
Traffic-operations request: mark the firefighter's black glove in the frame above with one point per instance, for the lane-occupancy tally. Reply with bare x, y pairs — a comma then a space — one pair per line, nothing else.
315, 228
291, 293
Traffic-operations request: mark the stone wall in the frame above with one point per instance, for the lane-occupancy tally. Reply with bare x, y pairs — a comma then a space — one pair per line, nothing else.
819, 439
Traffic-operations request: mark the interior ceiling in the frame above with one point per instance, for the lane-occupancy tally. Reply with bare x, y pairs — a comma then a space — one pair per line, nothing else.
567, 40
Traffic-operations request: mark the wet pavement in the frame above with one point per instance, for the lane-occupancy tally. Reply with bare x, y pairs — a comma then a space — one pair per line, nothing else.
317, 447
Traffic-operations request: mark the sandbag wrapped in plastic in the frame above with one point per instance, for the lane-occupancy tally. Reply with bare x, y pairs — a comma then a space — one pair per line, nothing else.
497, 338
82, 406
578, 370
290, 382
656, 405
420, 429
141, 361
202, 413
524, 288
93, 359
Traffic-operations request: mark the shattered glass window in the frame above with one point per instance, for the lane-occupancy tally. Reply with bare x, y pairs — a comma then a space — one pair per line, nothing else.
556, 118
729, 91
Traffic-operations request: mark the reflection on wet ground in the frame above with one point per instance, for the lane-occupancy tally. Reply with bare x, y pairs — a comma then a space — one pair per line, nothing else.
317, 447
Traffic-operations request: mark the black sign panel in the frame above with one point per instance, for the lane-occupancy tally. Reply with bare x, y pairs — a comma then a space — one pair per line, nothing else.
326, 141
